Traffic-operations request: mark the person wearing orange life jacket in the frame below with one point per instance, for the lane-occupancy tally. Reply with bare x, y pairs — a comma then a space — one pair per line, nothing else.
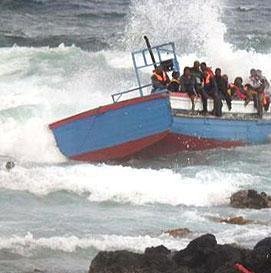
159, 80
210, 88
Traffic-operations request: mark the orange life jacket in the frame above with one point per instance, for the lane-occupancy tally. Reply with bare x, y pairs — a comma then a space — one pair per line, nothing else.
162, 79
209, 76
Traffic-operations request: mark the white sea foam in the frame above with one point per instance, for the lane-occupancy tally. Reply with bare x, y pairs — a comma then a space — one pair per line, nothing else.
26, 245
198, 31
29, 244
125, 184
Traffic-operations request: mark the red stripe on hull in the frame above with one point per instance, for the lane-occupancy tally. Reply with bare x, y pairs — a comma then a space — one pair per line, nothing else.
174, 143
106, 108
121, 151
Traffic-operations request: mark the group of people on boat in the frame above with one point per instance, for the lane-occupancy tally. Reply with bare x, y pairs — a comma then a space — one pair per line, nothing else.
201, 81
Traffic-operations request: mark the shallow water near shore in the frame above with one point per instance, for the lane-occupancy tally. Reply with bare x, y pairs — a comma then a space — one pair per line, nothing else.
56, 215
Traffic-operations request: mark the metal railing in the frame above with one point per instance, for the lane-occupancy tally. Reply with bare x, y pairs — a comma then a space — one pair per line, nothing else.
116, 97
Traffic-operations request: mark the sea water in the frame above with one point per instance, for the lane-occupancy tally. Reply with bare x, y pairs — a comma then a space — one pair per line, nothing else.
58, 58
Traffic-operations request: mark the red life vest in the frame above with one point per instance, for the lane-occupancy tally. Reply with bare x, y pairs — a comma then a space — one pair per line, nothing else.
210, 75
162, 79
241, 268
238, 92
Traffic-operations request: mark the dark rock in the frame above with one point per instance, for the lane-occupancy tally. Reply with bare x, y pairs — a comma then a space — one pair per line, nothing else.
250, 199
178, 233
159, 250
202, 255
204, 241
116, 262
153, 260
197, 251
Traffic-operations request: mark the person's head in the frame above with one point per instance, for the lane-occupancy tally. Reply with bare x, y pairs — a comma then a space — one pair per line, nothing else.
225, 77
203, 67
253, 72
196, 65
175, 75
187, 71
238, 81
218, 72
248, 87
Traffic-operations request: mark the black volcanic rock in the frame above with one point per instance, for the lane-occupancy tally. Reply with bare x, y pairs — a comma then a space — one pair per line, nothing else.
202, 255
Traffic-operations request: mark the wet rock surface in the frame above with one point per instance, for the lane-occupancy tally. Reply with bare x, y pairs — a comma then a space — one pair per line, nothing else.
178, 233
202, 255
250, 199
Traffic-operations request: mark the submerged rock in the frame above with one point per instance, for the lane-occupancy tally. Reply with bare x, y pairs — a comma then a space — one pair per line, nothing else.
238, 220
250, 199
178, 233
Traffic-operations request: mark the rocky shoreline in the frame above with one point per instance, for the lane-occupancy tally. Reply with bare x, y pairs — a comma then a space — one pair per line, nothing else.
202, 255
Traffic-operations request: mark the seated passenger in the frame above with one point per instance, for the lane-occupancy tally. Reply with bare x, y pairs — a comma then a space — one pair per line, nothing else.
254, 79
197, 74
237, 89
205, 68
174, 85
222, 86
210, 87
188, 85
159, 80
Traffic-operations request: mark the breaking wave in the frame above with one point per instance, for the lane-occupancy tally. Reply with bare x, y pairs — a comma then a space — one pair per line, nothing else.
26, 245
29, 244
101, 183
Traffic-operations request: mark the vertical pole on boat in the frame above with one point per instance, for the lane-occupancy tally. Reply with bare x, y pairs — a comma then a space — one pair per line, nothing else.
150, 51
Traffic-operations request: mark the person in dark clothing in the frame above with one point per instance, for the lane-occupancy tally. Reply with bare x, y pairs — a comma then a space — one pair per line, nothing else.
174, 85
198, 75
188, 85
222, 86
210, 88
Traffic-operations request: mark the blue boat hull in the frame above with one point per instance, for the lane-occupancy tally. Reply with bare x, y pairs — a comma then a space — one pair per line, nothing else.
115, 131
146, 127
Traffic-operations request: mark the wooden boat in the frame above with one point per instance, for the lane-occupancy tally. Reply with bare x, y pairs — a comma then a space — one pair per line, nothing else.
157, 124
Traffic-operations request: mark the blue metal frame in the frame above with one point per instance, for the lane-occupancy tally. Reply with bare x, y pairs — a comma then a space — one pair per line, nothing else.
168, 48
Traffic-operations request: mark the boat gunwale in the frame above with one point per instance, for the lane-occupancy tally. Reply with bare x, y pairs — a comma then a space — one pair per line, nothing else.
106, 108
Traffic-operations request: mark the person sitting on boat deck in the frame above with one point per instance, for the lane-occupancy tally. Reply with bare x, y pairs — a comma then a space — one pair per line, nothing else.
188, 85
174, 85
222, 86
237, 89
197, 74
205, 68
159, 80
266, 90
259, 91
210, 87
